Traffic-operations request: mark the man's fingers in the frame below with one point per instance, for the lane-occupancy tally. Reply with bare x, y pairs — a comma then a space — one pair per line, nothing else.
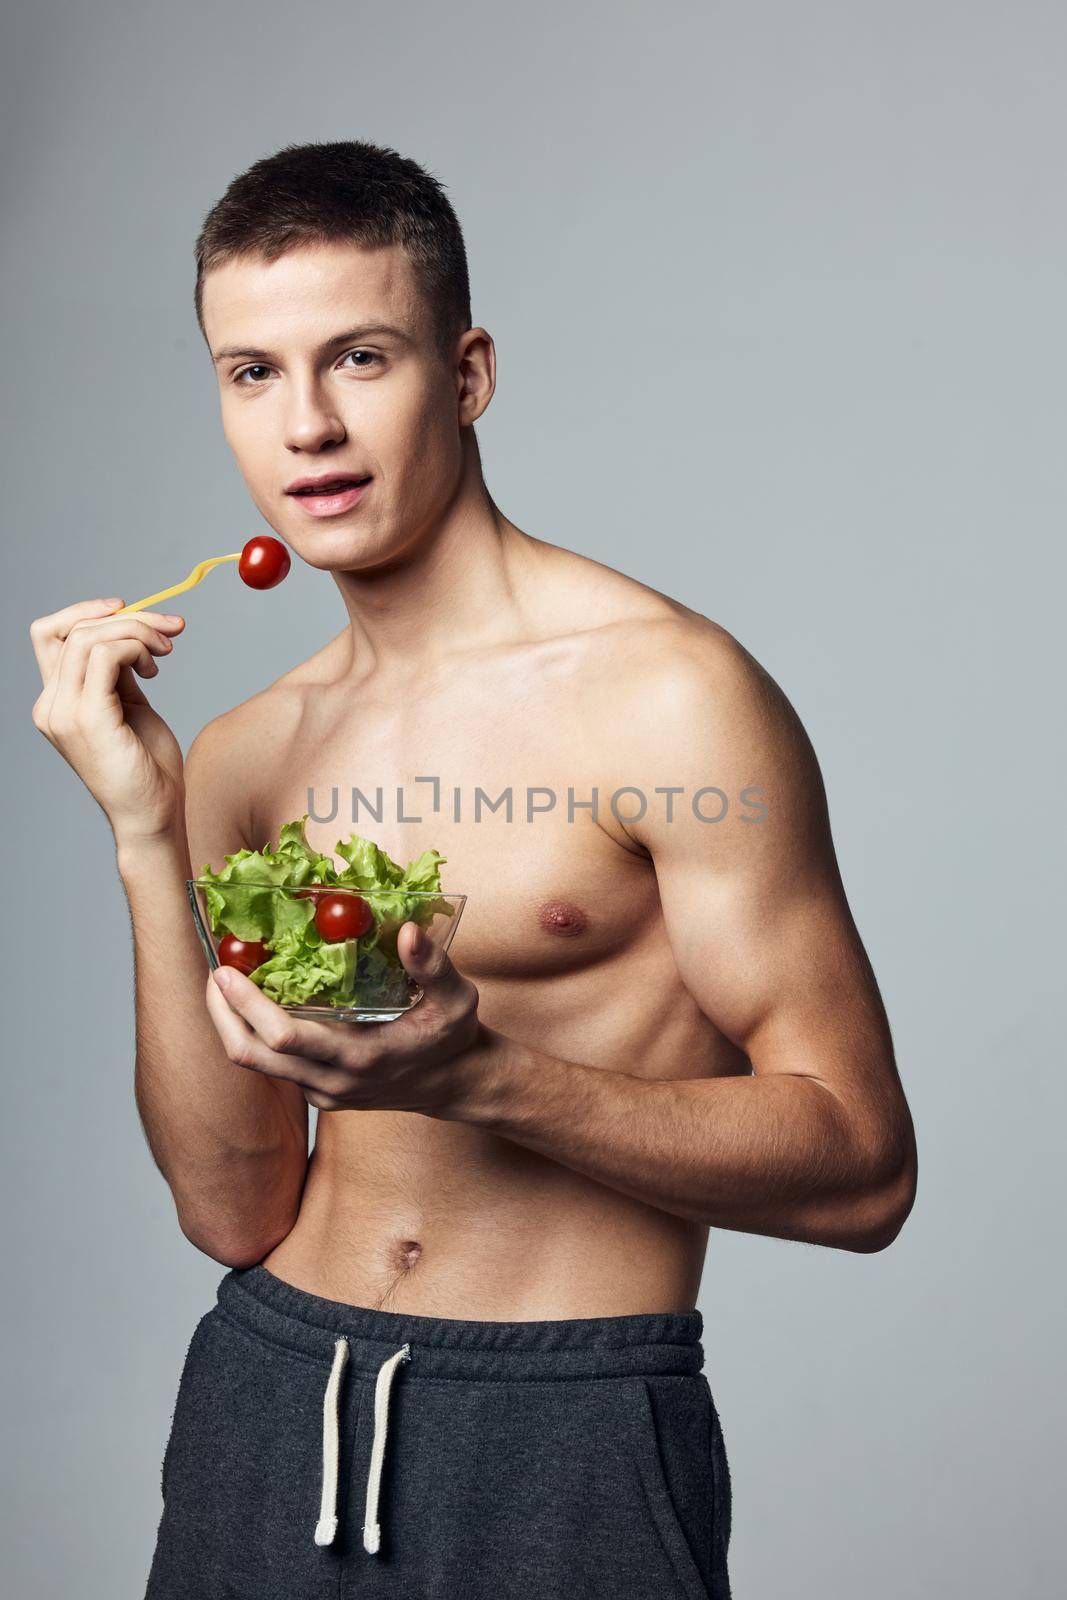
278, 1028
425, 959
139, 643
129, 690
48, 633
100, 699
85, 681
257, 1033
240, 1041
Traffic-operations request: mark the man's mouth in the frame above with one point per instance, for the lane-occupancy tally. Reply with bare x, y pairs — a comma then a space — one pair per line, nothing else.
329, 486
330, 497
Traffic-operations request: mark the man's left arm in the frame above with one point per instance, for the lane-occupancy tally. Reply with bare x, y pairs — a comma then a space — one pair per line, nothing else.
817, 1144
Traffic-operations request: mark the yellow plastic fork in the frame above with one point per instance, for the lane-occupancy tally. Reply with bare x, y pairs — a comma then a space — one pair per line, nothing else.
200, 571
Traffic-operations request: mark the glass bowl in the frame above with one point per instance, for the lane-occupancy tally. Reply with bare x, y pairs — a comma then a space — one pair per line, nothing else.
364, 975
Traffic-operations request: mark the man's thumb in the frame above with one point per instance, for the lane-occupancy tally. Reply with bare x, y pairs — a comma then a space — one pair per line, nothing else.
424, 958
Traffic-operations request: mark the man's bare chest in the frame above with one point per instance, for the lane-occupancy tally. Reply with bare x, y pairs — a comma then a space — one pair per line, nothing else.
508, 780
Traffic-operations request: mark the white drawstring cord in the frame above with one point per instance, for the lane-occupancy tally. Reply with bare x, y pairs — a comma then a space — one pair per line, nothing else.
327, 1523
372, 1532
326, 1527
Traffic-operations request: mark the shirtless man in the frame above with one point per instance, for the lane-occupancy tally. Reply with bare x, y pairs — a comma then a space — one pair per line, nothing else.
656, 1016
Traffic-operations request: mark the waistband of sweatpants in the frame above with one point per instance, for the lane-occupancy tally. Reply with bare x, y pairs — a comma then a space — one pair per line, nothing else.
646, 1343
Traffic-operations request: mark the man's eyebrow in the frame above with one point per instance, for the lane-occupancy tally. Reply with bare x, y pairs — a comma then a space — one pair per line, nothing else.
366, 331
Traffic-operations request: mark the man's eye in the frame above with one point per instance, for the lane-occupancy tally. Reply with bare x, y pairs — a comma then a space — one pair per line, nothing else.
370, 357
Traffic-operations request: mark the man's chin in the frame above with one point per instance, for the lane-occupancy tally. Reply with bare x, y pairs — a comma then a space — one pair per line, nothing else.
350, 550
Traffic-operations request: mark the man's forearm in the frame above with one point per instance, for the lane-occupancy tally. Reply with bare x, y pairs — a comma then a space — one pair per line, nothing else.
233, 1157
774, 1155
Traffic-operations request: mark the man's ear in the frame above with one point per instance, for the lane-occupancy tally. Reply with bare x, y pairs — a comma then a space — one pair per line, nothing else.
475, 374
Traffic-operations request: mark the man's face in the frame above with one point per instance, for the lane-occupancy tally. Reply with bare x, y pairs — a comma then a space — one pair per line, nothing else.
309, 390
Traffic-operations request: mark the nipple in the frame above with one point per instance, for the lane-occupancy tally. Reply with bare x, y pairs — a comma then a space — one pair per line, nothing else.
563, 917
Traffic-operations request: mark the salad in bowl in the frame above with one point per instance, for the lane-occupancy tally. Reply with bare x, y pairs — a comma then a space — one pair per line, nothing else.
319, 941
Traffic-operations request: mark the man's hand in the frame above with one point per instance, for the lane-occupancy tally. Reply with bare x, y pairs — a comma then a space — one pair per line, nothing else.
93, 711
412, 1064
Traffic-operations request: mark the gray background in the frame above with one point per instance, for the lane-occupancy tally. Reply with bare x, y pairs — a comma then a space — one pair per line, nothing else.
778, 296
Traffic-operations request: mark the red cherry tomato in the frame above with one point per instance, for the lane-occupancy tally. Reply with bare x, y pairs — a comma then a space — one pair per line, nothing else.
264, 562
244, 954
342, 916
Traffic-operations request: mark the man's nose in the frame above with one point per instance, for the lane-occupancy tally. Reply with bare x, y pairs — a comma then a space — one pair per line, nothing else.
312, 420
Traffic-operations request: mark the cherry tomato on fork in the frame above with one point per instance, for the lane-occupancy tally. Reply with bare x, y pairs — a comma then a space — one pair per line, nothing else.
244, 954
342, 916
264, 562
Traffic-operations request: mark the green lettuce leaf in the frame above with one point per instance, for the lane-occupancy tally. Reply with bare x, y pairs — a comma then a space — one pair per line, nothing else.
302, 964
292, 976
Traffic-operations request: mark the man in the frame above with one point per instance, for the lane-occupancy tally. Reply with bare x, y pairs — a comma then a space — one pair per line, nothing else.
656, 1016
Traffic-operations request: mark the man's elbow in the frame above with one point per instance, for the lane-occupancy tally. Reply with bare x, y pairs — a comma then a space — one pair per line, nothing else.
884, 1207
229, 1250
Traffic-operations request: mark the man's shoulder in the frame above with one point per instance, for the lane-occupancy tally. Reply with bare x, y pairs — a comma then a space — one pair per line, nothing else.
682, 702
669, 676
270, 712
675, 647
635, 629
661, 680
667, 655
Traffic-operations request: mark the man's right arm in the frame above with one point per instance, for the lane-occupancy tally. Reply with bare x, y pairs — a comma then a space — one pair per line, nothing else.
231, 1144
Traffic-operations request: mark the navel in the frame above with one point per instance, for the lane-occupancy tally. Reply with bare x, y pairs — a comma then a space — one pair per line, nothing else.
407, 1253
562, 917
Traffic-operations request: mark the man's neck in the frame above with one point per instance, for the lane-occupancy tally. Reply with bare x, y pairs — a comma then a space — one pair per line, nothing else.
460, 587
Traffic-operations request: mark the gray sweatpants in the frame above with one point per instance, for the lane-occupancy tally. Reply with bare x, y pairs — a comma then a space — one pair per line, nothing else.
325, 1450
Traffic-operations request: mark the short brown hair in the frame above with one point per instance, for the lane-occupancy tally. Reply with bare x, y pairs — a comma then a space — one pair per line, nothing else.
352, 191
